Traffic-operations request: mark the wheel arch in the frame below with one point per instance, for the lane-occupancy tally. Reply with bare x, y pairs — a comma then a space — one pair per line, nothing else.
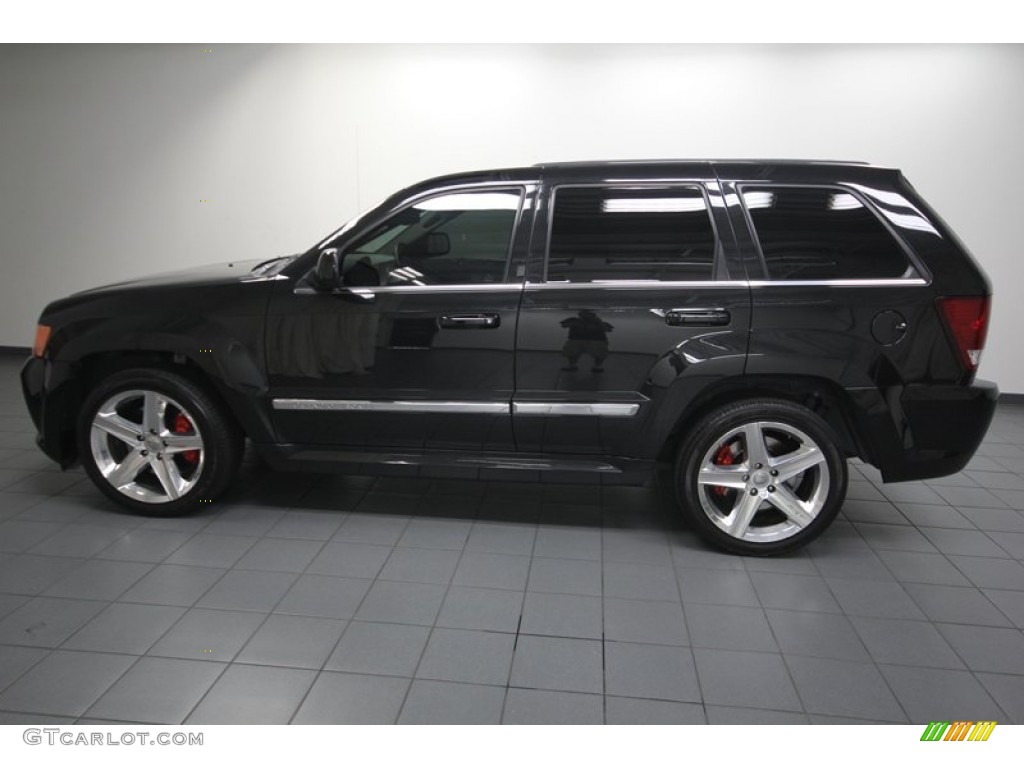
825, 398
85, 374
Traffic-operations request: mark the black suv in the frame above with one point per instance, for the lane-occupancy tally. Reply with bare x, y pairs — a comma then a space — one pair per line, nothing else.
754, 322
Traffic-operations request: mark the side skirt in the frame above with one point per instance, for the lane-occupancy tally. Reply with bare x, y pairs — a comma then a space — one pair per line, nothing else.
610, 470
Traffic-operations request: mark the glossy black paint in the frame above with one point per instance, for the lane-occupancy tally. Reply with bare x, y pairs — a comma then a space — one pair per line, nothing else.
254, 337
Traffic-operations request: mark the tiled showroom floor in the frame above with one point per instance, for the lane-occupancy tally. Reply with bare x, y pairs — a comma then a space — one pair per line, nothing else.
333, 599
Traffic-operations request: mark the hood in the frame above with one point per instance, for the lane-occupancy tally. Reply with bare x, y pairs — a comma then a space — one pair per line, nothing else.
210, 273
171, 287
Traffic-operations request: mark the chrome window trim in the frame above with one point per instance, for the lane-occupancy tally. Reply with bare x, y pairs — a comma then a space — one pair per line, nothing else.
389, 406
452, 288
634, 284
575, 409
867, 282
630, 285
646, 284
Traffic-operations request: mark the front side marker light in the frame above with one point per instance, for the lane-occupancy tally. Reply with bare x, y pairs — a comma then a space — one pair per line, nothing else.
42, 339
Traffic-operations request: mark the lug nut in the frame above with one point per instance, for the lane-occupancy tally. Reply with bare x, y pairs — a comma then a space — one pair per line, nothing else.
758, 466
753, 491
773, 473
160, 456
145, 453
138, 437
746, 478
771, 489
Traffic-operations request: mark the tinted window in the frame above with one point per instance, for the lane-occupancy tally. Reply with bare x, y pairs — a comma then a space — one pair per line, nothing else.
609, 233
822, 234
453, 239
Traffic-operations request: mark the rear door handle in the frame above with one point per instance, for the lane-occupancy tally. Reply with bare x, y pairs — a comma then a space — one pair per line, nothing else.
484, 320
716, 316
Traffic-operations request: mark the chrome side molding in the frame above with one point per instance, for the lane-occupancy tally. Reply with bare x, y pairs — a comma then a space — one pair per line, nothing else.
390, 406
448, 406
576, 409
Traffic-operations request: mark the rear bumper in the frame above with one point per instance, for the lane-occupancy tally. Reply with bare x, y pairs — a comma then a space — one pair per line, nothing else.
49, 409
925, 430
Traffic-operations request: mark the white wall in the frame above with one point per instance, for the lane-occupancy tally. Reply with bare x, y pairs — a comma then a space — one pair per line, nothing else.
106, 151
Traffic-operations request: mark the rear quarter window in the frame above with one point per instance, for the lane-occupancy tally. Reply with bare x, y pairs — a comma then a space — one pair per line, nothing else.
816, 233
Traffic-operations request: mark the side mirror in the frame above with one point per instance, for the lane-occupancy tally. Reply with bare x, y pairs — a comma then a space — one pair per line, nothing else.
327, 274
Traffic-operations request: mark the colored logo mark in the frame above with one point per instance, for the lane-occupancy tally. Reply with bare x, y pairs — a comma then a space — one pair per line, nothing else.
961, 730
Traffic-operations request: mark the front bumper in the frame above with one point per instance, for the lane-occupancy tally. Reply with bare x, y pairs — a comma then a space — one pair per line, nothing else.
51, 411
924, 430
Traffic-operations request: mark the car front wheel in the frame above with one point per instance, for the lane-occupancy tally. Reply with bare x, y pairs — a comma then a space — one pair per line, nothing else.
157, 443
761, 477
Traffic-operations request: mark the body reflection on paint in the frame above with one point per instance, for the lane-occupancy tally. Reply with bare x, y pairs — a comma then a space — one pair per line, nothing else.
588, 335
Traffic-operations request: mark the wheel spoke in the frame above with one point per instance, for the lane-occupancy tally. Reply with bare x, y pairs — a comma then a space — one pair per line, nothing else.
800, 460
757, 451
118, 427
742, 515
178, 443
153, 408
124, 473
169, 477
784, 500
731, 477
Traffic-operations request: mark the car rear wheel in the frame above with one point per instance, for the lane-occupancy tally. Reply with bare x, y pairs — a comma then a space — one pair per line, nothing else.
157, 443
761, 477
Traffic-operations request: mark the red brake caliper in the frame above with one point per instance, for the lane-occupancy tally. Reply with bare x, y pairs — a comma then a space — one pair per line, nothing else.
182, 426
723, 458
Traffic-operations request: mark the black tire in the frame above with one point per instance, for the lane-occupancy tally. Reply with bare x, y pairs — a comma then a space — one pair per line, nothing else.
717, 449
205, 472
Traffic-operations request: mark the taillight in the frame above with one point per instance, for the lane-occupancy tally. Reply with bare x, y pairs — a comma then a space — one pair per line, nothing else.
967, 320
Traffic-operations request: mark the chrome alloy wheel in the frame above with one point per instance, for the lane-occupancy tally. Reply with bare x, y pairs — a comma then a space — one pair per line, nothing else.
763, 481
147, 446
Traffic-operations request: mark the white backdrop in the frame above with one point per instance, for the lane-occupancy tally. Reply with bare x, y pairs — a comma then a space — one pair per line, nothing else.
117, 161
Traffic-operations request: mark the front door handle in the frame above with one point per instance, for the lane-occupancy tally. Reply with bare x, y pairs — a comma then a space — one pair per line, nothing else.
695, 317
484, 320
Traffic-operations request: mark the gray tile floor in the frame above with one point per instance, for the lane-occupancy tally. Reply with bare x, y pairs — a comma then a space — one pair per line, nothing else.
334, 599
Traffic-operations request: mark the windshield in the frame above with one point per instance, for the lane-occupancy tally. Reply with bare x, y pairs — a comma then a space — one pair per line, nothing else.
347, 226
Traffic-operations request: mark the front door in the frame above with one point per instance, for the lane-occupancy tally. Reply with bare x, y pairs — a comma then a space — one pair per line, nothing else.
417, 349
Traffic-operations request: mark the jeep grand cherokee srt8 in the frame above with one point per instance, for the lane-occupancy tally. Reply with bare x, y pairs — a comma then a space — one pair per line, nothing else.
756, 323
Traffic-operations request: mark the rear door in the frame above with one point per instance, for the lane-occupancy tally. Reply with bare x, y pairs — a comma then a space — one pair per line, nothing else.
635, 300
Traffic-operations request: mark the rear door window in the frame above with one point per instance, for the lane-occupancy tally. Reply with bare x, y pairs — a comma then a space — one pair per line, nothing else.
601, 234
